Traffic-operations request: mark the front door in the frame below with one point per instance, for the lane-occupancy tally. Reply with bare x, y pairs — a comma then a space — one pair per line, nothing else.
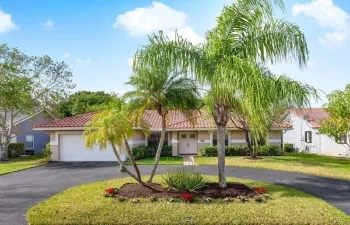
188, 143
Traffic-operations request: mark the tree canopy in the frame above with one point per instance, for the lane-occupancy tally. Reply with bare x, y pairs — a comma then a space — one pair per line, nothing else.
337, 125
83, 102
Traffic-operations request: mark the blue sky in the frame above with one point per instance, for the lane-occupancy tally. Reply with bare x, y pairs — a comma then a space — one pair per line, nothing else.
97, 38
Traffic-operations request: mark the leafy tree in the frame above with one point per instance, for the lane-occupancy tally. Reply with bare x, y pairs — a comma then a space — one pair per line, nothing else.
295, 95
83, 102
113, 126
227, 63
27, 83
161, 89
337, 125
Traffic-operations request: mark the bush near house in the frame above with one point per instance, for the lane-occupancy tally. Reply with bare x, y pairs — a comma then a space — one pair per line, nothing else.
141, 152
288, 147
47, 153
264, 150
16, 149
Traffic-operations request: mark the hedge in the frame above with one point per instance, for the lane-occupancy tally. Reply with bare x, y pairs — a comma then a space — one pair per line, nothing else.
16, 149
264, 150
288, 147
141, 152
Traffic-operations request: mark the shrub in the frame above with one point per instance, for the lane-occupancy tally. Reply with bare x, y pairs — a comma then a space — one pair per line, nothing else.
260, 190
47, 153
166, 150
288, 147
236, 150
16, 149
264, 150
270, 150
209, 151
139, 152
184, 180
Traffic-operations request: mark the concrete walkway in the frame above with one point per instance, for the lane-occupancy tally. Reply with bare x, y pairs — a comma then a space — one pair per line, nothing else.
189, 160
21, 190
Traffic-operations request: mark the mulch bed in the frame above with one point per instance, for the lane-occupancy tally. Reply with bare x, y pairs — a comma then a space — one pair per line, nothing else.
212, 190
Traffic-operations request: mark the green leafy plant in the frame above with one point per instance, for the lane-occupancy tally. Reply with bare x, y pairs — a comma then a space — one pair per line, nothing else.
47, 153
264, 150
16, 149
184, 180
288, 147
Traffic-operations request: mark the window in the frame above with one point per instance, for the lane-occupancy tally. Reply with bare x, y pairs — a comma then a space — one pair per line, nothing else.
30, 141
183, 136
342, 139
308, 137
154, 138
192, 135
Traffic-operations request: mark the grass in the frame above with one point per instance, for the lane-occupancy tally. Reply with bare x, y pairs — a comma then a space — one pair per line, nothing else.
85, 204
293, 162
162, 161
21, 163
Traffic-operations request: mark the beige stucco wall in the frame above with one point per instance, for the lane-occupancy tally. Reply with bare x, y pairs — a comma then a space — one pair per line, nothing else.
203, 139
138, 136
237, 135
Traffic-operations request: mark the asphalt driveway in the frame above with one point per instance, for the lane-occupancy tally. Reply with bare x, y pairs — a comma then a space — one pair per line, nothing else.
21, 190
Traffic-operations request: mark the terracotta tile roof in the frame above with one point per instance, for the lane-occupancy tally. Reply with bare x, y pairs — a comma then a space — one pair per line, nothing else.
312, 115
176, 120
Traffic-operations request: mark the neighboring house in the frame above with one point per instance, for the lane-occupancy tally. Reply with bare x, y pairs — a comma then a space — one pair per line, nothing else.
67, 143
24, 133
306, 137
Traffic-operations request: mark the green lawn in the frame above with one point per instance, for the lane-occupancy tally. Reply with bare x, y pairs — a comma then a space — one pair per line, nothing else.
85, 204
294, 162
21, 163
162, 161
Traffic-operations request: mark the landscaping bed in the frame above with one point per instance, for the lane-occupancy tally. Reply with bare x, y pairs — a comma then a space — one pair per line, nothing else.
211, 190
85, 204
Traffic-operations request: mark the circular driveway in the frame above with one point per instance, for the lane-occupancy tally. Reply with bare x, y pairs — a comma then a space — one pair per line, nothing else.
21, 190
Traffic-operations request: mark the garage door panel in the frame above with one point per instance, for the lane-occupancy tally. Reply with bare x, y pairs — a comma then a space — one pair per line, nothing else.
72, 148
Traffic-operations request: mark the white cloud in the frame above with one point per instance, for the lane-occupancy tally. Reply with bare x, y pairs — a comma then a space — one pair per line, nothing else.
327, 15
6, 23
66, 55
130, 61
186, 32
48, 23
79, 61
151, 19
82, 61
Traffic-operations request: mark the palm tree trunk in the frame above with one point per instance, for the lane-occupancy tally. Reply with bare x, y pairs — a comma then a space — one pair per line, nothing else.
249, 145
221, 154
132, 159
123, 166
159, 149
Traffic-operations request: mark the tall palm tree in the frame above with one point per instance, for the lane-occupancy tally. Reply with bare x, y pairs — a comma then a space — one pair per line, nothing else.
246, 34
161, 89
113, 126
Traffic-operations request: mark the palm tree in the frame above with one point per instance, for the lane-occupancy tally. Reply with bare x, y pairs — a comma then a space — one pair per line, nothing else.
246, 34
161, 89
112, 126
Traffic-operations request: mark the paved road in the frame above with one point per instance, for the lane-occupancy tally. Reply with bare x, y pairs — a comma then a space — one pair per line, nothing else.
21, 190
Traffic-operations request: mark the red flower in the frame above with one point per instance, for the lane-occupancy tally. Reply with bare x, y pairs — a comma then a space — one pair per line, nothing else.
260, 190
187, 197
110, 191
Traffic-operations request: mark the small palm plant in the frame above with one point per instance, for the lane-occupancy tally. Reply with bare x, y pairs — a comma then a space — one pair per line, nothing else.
161, 89
113, 127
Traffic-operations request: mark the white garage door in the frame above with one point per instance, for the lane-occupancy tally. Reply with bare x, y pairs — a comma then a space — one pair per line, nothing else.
72, 148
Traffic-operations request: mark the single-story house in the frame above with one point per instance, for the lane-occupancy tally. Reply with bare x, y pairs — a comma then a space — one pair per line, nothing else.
35, 141
185, 136
306, 137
